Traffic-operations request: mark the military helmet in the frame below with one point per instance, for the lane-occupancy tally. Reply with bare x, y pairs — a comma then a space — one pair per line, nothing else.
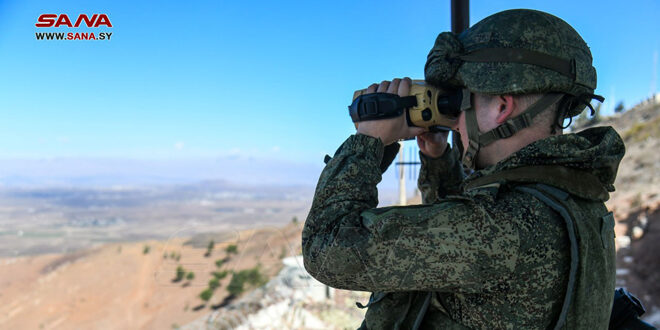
516, 51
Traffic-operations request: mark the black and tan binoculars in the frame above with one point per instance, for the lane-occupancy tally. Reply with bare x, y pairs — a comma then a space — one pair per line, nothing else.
427, 106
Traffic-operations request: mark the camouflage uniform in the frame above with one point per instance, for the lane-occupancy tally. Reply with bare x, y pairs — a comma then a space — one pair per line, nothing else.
479, 254
486, 251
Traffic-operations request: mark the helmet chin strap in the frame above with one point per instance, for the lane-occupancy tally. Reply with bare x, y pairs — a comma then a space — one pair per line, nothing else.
506, 130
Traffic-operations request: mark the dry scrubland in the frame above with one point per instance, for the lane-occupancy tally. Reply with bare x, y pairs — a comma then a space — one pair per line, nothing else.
38, 220
119, 286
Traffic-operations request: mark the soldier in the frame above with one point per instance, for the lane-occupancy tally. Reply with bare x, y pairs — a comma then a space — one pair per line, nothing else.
524, 241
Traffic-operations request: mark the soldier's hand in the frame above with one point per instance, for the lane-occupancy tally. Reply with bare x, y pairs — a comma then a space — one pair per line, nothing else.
392, 129
432, 144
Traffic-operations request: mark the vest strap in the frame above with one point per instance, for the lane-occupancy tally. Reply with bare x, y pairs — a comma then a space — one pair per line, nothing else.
555, 198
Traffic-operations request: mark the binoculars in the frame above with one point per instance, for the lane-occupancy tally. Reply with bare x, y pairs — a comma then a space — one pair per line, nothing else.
430, 107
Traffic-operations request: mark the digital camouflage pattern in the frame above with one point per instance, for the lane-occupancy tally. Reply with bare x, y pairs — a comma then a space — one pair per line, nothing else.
513, 29
488, 257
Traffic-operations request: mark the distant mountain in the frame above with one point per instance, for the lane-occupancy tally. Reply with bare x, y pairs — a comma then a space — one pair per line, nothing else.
117, 172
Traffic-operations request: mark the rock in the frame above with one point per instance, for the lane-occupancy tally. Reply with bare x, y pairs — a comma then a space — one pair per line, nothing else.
623, 242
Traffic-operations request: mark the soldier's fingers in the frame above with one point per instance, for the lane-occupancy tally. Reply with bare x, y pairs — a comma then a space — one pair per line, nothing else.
382, 88
421, 143
416, 131
404, 87
394, 86
424, 137
371, 88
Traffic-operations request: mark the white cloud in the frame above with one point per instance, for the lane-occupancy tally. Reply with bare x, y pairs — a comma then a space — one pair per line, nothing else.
179, 145
275, 149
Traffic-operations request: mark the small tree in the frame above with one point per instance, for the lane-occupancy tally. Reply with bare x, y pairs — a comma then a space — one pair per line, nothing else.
180, 273
206, 295
209, 248
190, 276
251, 276
294, 219
619, 107
254, 276
231, 248
214, 283
146, 249
236, 284
220, 275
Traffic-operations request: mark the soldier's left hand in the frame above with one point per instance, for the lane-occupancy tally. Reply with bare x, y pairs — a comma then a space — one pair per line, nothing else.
392, 129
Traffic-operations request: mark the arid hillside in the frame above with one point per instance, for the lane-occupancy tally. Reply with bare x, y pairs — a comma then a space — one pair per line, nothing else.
133, 285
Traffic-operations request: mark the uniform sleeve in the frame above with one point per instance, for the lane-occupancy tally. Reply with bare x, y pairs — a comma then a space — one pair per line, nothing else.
439, 177
454, 245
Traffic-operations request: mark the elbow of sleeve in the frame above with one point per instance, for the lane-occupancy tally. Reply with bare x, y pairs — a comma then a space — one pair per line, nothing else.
313, 265
312, 260
331, 267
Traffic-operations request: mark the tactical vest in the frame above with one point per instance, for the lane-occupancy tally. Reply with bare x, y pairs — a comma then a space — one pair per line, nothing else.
578, 197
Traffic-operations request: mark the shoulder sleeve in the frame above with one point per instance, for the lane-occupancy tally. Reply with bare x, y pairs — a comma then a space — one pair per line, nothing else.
439, 177
349, 244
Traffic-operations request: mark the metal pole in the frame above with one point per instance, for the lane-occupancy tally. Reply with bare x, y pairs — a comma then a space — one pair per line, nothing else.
460, 21
460, 15
402, 177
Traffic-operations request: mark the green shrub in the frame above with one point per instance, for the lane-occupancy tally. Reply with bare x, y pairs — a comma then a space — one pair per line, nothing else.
236, 285
209, 249
619, 107
180, 273
214, 283
219, 262
146, 249
190, 276
206, 295
252, 276
220, 275
231, 248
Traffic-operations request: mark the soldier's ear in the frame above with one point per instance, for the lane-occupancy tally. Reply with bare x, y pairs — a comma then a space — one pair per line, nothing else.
505, 107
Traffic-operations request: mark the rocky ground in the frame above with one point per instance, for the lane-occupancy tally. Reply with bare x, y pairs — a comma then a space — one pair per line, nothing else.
291, 300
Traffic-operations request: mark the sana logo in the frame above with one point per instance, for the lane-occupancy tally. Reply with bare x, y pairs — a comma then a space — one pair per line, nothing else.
54, 20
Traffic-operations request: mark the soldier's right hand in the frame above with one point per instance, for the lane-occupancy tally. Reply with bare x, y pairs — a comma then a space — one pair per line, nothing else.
390, 130
433, 145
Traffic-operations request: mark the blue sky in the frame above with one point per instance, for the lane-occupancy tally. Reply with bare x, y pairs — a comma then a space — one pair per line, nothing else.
265, 79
